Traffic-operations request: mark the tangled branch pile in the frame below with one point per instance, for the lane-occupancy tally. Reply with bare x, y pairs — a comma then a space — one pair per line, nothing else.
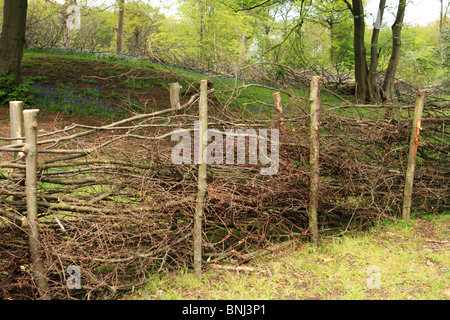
112, 202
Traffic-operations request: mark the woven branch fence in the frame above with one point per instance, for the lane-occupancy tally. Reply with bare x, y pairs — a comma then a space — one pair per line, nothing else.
111, 202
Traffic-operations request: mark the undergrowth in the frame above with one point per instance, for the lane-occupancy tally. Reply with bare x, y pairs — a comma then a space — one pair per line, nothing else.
392, 261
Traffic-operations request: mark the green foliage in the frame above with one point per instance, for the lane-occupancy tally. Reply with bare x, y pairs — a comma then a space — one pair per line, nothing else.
96, 32
141, 22
336, 21
44, 28
420, 59
204, 36
218, 36
10, 92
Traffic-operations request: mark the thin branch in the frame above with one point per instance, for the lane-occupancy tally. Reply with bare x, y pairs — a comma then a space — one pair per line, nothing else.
349, 6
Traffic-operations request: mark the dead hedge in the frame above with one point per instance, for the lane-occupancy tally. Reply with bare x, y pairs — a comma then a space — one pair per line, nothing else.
112, 202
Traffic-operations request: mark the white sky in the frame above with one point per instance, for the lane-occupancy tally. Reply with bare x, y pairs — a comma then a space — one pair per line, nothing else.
417, 11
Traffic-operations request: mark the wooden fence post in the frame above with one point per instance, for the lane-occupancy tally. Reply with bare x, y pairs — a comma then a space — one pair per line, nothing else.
199, 208
30, 150
314, 159
174, 89
277, 101
16, 123
414, 143
16, 131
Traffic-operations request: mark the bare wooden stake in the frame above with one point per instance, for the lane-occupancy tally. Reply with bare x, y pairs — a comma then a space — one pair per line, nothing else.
277, 101
31, 153
175, 95
414, 143
199, 208
314, 159
16, 124
16, 131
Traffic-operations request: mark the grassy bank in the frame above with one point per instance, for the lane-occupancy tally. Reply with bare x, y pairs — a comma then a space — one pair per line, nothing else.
112, 87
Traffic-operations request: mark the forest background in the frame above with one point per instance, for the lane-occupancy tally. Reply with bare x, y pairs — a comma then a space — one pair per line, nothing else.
218, 37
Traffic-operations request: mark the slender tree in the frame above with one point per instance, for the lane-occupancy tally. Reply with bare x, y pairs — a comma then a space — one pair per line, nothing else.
372, 84
121, 6
12, 39
389, 80
359, 27
442, 23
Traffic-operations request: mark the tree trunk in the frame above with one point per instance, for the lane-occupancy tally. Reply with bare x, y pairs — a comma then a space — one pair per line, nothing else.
361, 71
12, 39
374, 89
333, 48
389, 80
202, 31
442, 21
119, 40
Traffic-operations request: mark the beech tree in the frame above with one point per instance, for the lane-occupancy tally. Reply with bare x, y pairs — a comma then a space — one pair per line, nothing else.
12, 39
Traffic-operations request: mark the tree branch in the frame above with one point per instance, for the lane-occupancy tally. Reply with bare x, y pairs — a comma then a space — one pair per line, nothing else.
259, 5
349, 6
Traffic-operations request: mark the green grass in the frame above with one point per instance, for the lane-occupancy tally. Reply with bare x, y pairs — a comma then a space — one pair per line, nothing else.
57, 92
412, 258
249, 101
